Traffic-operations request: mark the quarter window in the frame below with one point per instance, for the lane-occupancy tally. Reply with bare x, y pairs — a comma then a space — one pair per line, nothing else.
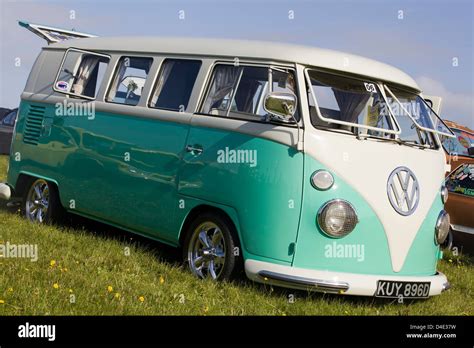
175, 84
239, 91
81, 73
129, 80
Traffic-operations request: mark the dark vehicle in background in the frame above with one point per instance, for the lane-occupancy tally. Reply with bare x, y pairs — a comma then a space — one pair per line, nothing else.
7, 123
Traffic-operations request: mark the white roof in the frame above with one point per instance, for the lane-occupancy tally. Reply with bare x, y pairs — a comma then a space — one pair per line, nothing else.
241, 49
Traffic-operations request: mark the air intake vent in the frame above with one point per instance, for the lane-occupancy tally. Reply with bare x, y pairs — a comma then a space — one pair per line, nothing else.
34, 123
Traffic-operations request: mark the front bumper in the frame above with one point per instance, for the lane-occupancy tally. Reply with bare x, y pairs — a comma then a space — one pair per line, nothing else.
5, 192
332, 282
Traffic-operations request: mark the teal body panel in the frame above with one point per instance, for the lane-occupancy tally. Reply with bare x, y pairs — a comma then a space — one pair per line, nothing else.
133, 173
315, 250
266, 196
114, 168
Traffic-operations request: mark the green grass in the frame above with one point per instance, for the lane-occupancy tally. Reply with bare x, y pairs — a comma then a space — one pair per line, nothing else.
89, 260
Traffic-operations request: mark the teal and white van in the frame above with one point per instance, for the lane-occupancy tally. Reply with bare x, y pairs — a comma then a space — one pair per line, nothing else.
307, 168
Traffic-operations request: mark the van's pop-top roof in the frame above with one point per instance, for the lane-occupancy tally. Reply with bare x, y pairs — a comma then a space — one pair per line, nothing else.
242, 49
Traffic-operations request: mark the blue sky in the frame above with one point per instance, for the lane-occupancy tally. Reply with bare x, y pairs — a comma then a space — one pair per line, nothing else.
423, 43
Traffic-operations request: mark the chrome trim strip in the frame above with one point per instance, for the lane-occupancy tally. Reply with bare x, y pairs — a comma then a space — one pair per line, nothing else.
463, 229
312, 284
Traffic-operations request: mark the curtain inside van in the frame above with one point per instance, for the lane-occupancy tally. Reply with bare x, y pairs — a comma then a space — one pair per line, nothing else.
118, 80
225, 77
350, 104
87, 66
164, 74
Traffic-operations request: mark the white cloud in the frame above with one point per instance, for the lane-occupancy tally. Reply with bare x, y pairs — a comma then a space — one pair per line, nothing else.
457, 107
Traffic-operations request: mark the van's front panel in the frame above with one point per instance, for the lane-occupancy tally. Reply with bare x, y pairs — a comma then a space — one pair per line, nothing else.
385, 248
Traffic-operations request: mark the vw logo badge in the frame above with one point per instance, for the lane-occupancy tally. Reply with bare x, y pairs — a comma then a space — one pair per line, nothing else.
403, 191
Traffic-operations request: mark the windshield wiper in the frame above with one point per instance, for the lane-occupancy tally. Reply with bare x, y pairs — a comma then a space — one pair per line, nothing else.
399, 141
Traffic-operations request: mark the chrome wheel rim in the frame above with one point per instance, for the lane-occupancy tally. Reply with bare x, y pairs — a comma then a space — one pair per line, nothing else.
37, 201
206, 251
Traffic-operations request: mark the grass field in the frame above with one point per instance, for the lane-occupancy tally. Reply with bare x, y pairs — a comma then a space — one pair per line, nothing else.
84, 268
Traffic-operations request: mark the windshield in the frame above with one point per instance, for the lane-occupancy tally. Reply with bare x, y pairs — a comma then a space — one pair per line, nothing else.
460, 144
411, 104
406, 104
358, 106
341, 103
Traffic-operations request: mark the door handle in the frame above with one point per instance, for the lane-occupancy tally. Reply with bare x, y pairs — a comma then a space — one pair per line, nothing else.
194, 149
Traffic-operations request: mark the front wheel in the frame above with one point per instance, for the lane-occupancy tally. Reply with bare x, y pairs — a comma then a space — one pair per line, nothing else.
41, 202
211, 248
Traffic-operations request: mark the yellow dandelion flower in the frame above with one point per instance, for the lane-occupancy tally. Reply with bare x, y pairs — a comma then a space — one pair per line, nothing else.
2, 301
65, 269
141, 299
70, 291
52, 263
117, 295
110, 288
10, 289
206, 309
162, 280
56, 285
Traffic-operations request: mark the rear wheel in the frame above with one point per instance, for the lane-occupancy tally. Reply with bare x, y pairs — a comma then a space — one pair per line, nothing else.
41, 202
210, 248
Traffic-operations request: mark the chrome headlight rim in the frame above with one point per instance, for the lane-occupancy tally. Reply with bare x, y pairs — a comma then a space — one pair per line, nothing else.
444, 194
324, 206
443, 214
319, 172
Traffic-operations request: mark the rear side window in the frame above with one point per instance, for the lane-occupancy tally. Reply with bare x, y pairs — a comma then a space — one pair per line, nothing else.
239, 91
129, 80
81, 73
174, 84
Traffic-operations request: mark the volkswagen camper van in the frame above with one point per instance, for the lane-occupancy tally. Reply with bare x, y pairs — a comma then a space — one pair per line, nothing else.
305, 167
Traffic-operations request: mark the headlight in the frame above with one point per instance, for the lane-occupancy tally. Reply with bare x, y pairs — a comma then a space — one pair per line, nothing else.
337, 218
442, 227
444, 194
322, 180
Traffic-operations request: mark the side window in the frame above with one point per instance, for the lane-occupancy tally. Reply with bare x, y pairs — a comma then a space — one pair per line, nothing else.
129, 80
462, 180
81, 73
239, 91
174, 84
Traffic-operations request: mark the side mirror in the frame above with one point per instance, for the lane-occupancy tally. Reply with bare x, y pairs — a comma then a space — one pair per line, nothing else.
470, 151
282, 105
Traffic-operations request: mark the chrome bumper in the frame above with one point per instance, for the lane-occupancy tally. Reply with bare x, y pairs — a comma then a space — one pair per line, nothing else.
332, 282
5, 192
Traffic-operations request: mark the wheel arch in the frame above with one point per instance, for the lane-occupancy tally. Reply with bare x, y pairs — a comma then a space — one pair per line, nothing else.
206, 208
23, 179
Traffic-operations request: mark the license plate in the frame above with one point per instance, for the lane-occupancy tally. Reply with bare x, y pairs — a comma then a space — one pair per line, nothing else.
405, 290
